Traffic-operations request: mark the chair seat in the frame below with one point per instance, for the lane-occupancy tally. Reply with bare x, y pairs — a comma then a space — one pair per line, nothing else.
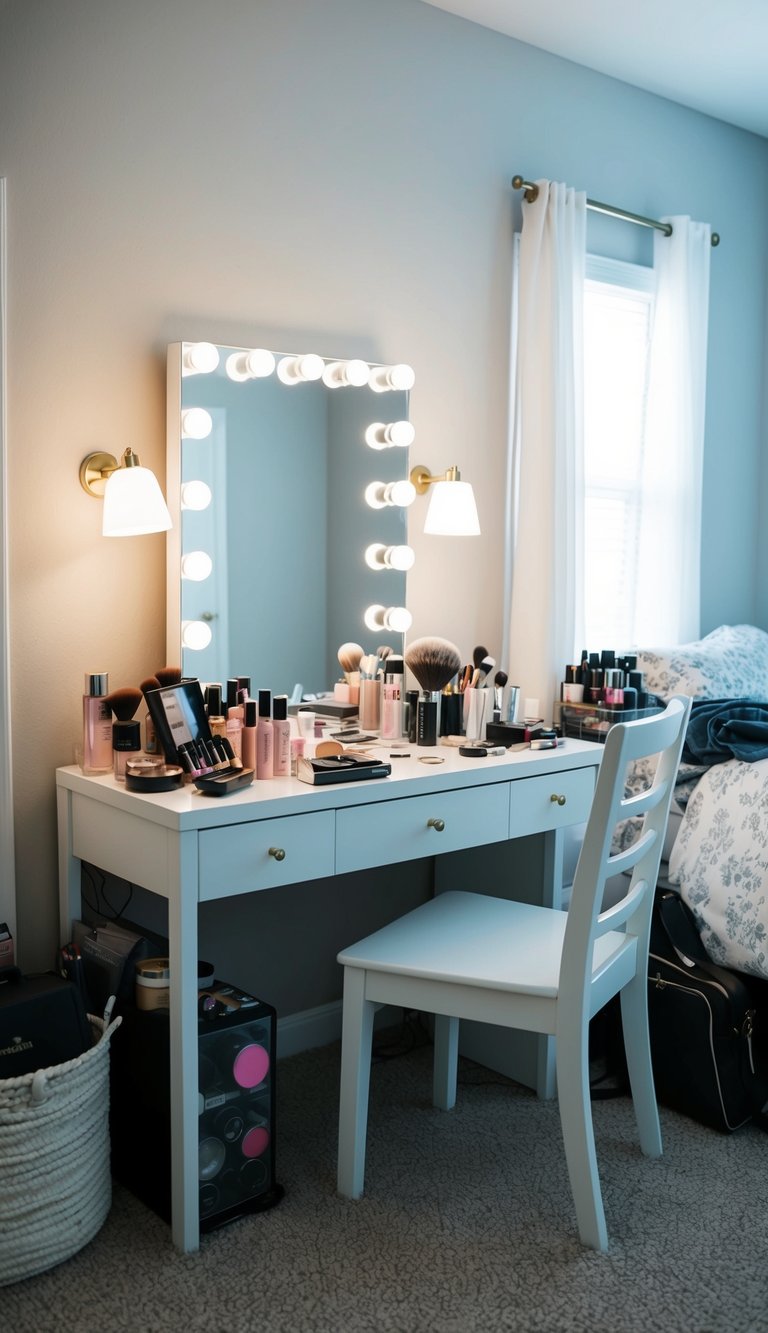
475, 940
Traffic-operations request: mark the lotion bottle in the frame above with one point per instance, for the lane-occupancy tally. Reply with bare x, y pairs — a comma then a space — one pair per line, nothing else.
265, 737
392, 699
249, 735
282, 737
97, 724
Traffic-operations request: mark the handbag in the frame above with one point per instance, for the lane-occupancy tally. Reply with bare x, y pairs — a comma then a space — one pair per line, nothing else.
707, 1025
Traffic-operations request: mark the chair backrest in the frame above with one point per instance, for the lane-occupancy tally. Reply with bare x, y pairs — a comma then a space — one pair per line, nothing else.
662, 737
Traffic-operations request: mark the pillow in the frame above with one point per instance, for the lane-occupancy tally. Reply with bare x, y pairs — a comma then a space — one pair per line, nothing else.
729, 663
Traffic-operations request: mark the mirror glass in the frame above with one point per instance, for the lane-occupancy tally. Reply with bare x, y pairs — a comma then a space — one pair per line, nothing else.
269, 574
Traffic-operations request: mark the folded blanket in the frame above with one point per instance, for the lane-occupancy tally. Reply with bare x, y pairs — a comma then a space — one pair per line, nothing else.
721, 729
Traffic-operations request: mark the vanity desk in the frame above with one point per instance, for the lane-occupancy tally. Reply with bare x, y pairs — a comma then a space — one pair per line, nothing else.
190, 849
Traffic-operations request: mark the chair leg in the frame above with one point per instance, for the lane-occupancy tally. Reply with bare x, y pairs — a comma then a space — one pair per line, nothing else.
634, 1020
446, 1061
356, 1040
578, 1135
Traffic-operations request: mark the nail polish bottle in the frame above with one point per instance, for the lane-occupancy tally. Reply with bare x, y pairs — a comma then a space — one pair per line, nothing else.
97, 724
281, 727
265, 737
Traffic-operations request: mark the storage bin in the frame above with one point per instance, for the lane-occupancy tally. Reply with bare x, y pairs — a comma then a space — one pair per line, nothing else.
54, 1159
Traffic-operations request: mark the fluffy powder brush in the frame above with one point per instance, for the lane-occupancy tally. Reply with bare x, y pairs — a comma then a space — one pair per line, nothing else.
349, 656
433, 662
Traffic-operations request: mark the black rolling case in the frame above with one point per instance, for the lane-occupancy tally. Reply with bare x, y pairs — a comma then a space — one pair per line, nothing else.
708, 1026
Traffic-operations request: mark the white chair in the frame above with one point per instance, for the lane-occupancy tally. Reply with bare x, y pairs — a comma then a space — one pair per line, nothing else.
467, 955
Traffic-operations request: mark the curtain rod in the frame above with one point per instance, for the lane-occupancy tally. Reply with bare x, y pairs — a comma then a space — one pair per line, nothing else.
532, 191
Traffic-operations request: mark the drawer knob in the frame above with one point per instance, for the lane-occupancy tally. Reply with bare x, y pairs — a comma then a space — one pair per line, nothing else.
278, 853
437, 824
557, 800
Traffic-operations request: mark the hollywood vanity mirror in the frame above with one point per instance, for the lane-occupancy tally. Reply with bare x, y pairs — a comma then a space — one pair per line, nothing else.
287, 477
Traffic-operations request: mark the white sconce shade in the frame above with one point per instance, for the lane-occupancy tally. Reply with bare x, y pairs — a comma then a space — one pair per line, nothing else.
295, 369
253, 365
381, 435
199, 358
379, 494
196, 424
196, 566
195, 495
452, 510
340, 373
398, 619
378, 556
195, 634
133, 503
383, 378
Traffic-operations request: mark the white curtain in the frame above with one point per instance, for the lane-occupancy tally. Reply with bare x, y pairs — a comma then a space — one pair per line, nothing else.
546, 486
668, 590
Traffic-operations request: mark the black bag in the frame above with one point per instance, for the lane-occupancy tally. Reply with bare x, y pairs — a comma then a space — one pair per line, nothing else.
708, 1026
42, 1022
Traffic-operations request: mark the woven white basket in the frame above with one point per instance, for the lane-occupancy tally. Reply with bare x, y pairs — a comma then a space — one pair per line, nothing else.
56, 1185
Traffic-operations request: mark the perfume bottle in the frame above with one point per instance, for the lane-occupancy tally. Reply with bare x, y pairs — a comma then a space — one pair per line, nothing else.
97, 724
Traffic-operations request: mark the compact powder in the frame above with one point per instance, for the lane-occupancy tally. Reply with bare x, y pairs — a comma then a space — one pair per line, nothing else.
255, 1142
250, 1066
154, 777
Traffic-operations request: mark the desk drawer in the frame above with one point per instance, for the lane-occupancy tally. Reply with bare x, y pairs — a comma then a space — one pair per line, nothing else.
552, 802
376, 835
237, 859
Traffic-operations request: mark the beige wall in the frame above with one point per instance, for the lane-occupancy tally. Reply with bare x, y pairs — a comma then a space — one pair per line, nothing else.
333, 176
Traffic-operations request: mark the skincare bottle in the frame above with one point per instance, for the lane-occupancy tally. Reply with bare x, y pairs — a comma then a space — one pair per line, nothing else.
249, 735
233, 730
265, 737
281, 764
392, 699
97, 724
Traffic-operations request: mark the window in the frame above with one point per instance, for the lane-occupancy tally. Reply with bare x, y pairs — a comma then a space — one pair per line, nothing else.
618, 321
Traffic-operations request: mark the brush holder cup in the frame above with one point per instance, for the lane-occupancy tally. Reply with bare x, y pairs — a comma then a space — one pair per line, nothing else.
370, 703
476, 711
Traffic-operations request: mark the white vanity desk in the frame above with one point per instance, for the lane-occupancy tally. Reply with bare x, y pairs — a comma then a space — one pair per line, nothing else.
191, 849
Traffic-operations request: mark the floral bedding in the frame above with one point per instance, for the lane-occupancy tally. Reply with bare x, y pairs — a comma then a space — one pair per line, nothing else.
719, 860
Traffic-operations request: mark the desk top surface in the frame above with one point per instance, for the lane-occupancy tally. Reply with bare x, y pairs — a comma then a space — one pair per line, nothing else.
187, 809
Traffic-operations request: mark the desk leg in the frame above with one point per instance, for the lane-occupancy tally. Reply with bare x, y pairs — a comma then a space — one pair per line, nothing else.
182, 955
552, 886
69, 867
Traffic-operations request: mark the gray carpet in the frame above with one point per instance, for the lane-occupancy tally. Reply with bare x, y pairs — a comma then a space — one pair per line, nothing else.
466, 1225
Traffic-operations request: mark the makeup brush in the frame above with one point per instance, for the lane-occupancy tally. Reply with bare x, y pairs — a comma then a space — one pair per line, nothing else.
383, 652
168, 676
349, 655
499, 681
433, 662
478, 654
124, 703
480, 675
151, 683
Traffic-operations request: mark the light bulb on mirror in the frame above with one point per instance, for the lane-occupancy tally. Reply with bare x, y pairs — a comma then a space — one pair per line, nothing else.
398, 619
379, 494
386, 435
195, 634
196, 424
196, 565
378, 557
195, 495
340, 373
199, 358
383, 378
296, 369
255, 364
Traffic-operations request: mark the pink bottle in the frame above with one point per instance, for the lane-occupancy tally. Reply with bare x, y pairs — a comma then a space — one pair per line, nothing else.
282, 737
249, 735
265, 737
97, 724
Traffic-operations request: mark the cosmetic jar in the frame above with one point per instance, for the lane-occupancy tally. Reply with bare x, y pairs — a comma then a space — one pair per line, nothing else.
152, 775
153, 979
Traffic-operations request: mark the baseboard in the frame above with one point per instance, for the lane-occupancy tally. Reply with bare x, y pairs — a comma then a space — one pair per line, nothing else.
320, 1026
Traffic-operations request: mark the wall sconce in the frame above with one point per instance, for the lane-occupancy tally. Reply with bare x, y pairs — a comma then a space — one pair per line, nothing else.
196, 423
195, 634
133, 501
386, 435
196, 566
199, 358
398, 619
378, 556
452, 510
379, 494
253, 365
340, 373
295, 369
383, 378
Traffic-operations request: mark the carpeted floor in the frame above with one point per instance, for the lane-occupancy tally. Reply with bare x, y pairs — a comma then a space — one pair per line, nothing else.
467, 1224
